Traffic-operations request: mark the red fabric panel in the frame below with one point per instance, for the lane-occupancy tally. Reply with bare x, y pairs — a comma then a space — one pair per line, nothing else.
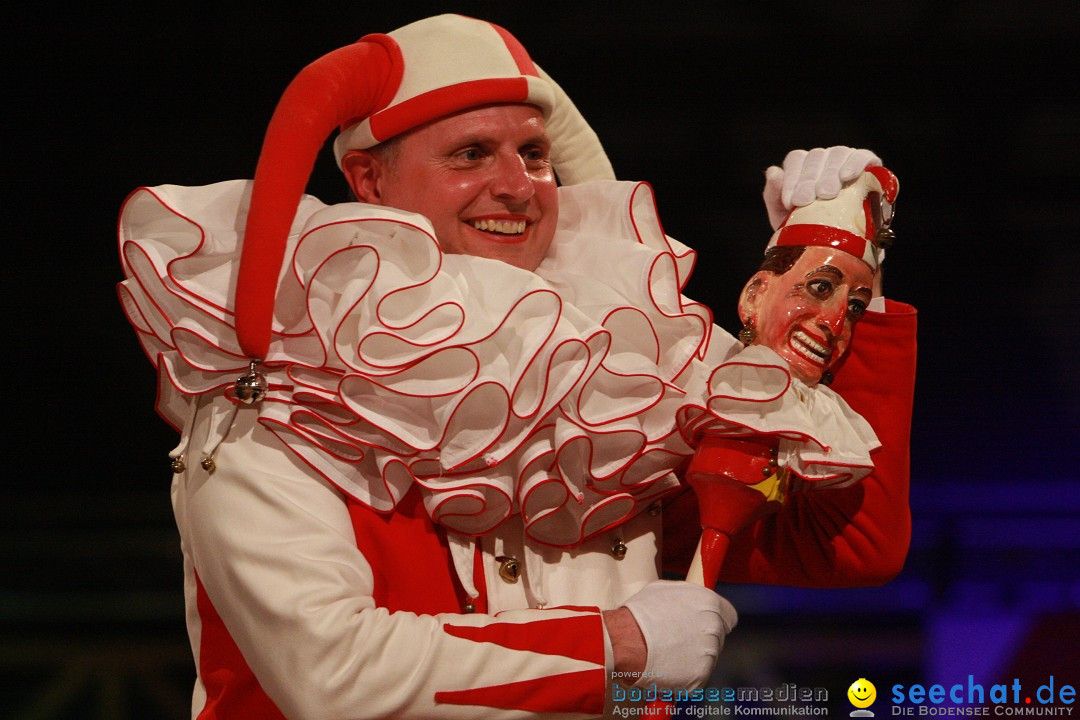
391, 81
446, 100
579, 692
411, 560
232, 692
517, 51
580, 638
355, 78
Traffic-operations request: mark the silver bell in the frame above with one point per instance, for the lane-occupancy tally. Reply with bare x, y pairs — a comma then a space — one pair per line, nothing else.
251, 386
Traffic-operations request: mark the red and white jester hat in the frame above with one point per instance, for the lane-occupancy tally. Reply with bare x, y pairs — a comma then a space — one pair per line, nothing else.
856, 221
374, 90
442, 65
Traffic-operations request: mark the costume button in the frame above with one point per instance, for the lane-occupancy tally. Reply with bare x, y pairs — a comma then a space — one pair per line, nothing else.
178, 465
469, 607
509, 568
619, 549
655, 509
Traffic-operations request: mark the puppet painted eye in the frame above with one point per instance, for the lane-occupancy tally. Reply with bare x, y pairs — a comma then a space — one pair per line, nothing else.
856, 308
820, 287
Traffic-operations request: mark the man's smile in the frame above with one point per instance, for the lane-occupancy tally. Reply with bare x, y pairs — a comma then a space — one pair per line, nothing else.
505, 228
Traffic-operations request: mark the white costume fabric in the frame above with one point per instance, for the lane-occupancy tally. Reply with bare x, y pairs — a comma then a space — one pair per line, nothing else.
535, 414
274, 548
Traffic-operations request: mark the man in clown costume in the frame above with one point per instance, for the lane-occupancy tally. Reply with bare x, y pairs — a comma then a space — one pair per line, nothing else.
427, 444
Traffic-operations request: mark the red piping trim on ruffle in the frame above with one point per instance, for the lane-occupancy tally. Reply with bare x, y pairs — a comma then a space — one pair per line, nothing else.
319, 419
774, 398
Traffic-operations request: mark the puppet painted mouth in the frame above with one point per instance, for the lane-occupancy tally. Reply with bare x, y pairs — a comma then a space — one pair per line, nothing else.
502, 227
809, 348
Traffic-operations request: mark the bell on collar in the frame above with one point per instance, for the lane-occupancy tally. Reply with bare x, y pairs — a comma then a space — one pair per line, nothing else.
251, 386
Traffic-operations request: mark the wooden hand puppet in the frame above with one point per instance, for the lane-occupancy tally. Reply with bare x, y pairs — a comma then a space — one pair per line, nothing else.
772, 424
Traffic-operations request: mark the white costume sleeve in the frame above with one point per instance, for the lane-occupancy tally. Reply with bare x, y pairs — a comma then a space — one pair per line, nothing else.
275, 551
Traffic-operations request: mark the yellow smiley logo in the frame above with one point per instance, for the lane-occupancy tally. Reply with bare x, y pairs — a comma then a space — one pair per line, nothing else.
862, 693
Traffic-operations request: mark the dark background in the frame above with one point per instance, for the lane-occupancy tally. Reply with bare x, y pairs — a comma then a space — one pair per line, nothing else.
973, 104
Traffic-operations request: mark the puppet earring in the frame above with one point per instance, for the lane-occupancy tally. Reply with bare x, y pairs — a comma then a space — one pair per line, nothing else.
748, 334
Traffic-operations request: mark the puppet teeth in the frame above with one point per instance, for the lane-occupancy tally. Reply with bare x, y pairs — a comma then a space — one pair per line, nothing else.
505, 227
811, 345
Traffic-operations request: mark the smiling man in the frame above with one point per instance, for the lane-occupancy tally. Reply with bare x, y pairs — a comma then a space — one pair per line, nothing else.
483, 177
438, 490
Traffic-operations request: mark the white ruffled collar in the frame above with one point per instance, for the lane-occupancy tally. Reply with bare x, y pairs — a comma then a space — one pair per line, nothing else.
496, 391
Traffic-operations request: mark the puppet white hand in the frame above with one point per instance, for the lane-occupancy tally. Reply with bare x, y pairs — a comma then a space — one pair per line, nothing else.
684, 625
808, 175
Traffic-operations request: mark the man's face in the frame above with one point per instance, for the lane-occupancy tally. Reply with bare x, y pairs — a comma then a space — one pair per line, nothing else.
808, 314
484, 179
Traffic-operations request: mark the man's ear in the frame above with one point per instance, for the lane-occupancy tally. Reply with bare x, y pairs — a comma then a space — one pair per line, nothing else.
750, 299
363, 171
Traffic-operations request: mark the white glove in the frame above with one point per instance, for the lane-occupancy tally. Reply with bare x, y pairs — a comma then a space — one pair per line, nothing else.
684, 625
808, 175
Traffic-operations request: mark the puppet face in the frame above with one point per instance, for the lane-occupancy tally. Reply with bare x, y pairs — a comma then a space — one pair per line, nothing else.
808, 314
482, 176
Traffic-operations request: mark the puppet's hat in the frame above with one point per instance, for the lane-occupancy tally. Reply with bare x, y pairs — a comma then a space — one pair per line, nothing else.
856, 221
373, 90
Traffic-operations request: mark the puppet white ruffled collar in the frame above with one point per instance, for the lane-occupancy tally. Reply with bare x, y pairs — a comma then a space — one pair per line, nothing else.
821, 439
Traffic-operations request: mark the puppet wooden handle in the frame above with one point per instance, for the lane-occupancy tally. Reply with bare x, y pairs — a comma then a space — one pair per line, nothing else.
708, 558
727, 475
736, 481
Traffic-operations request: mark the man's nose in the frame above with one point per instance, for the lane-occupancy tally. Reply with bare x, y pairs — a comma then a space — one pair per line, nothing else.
511, 181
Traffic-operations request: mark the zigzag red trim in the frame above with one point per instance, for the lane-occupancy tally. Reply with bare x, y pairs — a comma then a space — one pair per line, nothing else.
580, 637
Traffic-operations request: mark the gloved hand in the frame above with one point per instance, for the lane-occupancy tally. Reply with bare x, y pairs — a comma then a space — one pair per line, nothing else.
811, 174
684, 627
